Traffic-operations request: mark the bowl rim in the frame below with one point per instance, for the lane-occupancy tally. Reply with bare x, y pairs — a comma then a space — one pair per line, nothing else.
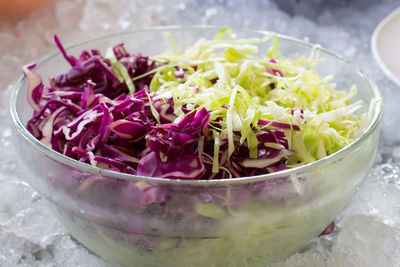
372, 125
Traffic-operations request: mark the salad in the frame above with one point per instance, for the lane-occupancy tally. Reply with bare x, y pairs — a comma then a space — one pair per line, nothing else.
216, 111
221, 109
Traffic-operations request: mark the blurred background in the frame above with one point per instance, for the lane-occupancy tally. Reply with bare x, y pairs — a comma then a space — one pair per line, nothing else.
27, 26
368, 230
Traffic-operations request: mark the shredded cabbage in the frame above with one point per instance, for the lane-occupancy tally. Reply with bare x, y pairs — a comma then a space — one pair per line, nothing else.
225, 76
221, 108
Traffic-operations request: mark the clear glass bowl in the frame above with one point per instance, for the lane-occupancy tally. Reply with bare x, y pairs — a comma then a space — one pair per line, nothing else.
268, 217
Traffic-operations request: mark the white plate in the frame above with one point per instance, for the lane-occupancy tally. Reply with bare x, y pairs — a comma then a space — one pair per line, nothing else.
385, 45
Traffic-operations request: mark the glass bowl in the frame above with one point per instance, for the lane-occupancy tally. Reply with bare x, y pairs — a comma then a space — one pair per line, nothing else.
143, 221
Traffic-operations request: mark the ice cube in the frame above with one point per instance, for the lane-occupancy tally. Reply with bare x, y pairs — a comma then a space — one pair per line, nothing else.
378, 196
366, 241
309, 258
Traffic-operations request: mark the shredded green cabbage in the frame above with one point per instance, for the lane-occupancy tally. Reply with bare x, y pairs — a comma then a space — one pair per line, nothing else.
229, 78
120, 71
